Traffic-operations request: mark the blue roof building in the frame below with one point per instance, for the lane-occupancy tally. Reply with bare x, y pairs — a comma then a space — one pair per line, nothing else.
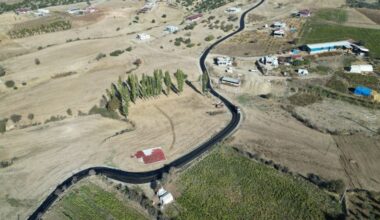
327, 47
363, 91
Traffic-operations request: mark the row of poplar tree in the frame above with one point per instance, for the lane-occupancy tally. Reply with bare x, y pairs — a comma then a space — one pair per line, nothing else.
124, 92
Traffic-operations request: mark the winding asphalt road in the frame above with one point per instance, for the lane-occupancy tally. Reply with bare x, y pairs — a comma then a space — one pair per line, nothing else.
145, 177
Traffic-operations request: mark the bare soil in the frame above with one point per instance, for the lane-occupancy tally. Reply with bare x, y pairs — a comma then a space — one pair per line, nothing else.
372, 14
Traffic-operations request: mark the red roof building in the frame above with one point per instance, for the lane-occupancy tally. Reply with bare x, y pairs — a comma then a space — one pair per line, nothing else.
194, 17
152, 155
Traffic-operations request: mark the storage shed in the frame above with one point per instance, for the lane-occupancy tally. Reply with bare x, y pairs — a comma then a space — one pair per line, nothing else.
361, 68
230, 81
363, 91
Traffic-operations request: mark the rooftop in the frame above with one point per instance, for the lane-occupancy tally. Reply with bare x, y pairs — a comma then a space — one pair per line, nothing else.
329, 44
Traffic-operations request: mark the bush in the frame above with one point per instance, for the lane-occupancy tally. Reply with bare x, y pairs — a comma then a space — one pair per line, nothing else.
69, 112
37, 61
209, 38
100, 56
337, 84
10, 83
103, 112
31, 116
163, 16
137, 62
2, 71
116, 53
3, 125
16, 118
129, 49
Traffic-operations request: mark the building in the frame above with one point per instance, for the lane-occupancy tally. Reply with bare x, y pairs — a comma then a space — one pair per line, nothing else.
361, 68
363, 91
75, 11
151, 155
303, 72
223, 61
233, 10
230, 81
143, 36
327, 47
304, 13
42, 12
269, 61
22, 10
193, 18
279, 25
164, 196
360, 50
171, 29
278, 33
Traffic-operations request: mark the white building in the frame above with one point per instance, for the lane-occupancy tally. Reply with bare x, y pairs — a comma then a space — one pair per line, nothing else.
279, 24
171, 29
230, 81
165, 196
223, 61
279, 33
303, 72
361, 69
233, 10
75, 11
143, 36
42, 12
269, 61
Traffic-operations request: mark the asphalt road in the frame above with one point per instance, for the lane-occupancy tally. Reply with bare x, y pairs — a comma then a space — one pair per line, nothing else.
146, 177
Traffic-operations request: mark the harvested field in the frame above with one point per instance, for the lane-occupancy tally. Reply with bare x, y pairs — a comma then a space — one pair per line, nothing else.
363, 205
372, 14
359, 158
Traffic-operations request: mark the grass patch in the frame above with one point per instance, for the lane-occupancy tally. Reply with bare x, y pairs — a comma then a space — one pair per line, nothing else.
226, 185
92, 202
304, 99
54, 26
354, 80
336, 15
317, 32
244, 99
337, 84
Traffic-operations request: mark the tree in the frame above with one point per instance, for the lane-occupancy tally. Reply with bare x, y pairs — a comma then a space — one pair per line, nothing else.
204, 82
180, 76
2, 71
37, 61
31, 116
113, 104
133, 86
15, 118
168, 82
137, 62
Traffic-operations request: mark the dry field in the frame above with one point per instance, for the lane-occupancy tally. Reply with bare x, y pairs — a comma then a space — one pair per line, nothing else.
363, 18
372, 14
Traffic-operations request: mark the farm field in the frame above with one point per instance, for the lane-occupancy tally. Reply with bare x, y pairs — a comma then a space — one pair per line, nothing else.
314, 32
226, 179
91, 200
372, 14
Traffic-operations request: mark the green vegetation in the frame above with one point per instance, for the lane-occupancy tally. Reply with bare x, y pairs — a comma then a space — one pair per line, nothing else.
209, 38
317, 32
227, 185
55, 118
89, 201
44, 28
124, 92
35, 4
304, 99
205, 80
2, 71
9, 83
100, 56
3, 125
116, 53
337, 84
335, 15
361, 80
180, 40
363, 4
202, 6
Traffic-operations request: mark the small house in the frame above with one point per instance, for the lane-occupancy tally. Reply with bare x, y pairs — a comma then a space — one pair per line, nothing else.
164, 196
22, 10
223, 61
75, 11
278, 33
171, 29
230, 81
303, 72
304, 13
193, 18
41, 12
279, 25
269, 61
143, 36
361, 68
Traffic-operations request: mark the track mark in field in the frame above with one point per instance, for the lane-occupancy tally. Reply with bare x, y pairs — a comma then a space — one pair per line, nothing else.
171, 125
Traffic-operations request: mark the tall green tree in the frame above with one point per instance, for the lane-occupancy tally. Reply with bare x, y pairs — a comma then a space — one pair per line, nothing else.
204, 82
180, 76
168, 82
133, 86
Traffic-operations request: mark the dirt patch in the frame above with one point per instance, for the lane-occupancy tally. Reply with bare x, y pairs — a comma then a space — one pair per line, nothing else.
372, 14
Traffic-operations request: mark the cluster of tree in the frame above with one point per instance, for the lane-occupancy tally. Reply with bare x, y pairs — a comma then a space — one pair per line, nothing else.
180, 40
44, 28
363, 4
124, 92
36, 4
336, 186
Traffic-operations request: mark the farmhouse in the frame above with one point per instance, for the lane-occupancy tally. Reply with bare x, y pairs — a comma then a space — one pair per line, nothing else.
327, 47
230, 81
143, 36
193, 18
361, 68
164, 196
223, 61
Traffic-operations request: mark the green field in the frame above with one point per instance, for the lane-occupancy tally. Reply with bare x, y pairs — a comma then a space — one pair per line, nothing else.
226, 185
89, 201
335, 15
319, 32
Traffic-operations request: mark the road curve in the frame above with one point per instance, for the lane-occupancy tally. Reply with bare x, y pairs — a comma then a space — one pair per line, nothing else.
145, 177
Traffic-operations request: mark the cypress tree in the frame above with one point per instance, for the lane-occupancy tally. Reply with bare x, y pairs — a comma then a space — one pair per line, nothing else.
168, 82
204, 82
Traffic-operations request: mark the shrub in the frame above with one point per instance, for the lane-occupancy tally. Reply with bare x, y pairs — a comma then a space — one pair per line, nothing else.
118, 29
3, 125
116, 53
137, 62
163, 16
113, 104
10, 83
100, 56
153, 21
2, 71
209, 38
69, 112
304, 99
37, 61
337, 84
55, 118
129, 49
31, 116
15, 118
103, 112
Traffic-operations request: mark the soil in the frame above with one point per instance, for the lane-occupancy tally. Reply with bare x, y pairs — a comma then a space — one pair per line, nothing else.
372, 14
